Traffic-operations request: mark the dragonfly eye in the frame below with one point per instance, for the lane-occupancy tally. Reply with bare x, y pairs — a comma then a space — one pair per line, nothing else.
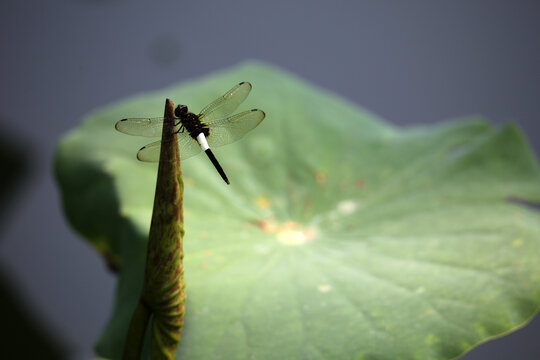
180, 110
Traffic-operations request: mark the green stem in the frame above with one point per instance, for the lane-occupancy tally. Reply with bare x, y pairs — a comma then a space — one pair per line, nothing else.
164, 286
136, 331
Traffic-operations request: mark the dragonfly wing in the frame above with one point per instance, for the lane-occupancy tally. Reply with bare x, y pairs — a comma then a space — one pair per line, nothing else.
227, 130
150, 127
150, 152
187, 145
226, 104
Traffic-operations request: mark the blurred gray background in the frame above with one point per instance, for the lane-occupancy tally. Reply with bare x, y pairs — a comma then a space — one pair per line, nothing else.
413, 62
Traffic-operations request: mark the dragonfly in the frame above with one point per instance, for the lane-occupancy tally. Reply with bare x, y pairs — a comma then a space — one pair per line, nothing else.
214, 126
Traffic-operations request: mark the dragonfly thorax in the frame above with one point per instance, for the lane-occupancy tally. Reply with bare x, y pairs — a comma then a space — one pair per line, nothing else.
190, 122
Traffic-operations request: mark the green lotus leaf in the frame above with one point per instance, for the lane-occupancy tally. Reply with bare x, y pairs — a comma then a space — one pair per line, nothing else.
340, 236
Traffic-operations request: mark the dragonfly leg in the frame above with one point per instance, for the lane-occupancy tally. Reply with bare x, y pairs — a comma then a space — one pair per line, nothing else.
181, 130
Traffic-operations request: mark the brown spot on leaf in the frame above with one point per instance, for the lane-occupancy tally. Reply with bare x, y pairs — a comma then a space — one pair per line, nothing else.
189, 182
263, 202
320, 177
288, 232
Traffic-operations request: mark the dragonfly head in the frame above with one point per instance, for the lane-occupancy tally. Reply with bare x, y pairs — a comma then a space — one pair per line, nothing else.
180, 110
